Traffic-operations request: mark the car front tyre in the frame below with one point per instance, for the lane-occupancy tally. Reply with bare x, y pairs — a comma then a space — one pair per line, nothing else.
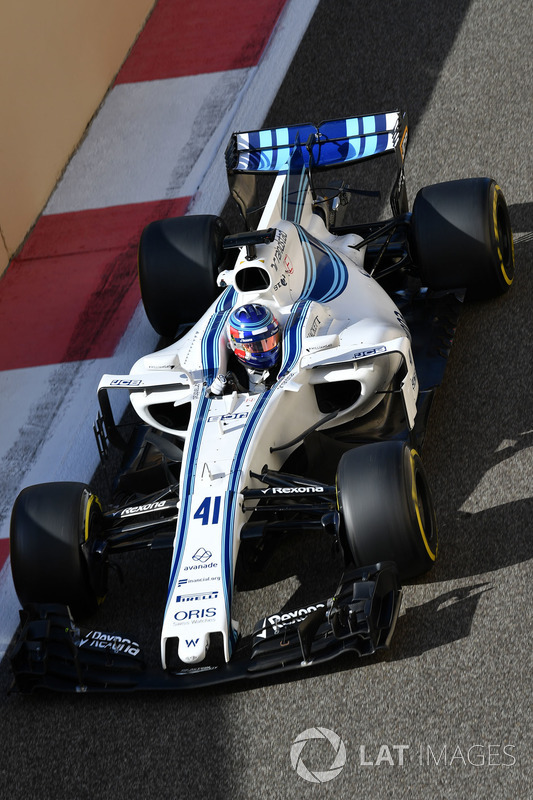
386, 508
52, 527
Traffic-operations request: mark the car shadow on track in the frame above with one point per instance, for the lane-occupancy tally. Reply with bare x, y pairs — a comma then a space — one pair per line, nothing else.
479, 448
440, 621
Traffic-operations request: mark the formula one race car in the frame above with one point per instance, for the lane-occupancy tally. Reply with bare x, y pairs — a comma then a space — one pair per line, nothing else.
294, 396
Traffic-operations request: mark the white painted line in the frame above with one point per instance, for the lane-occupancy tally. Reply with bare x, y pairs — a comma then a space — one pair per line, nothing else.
18, 390
146, 140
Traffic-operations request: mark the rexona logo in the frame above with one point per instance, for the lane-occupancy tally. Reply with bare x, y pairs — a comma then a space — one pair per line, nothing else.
110, 641
294, 490
143, 509
280, 621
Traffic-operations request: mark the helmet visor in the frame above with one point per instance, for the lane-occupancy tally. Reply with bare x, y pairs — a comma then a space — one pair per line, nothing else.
264, 346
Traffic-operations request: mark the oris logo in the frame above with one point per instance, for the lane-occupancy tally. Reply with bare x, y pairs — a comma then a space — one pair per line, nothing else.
195, 613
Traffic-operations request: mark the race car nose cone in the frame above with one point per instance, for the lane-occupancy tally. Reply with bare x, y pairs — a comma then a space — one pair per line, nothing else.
192, 649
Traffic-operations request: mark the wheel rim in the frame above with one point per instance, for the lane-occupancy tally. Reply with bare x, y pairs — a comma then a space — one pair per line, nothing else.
423, 508
504, 237
90, 514
90, 524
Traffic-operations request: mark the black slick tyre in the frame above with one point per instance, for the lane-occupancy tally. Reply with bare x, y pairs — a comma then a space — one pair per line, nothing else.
461, 237
52, 525
179, 260
386, 508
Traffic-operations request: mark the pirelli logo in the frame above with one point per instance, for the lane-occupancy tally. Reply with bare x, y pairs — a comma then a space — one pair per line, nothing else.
193, 598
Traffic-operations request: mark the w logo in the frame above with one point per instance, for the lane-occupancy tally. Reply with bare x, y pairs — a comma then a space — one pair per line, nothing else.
191, 642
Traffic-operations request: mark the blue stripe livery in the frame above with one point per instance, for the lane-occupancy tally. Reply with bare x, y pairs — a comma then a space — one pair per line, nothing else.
200, 420
339, 141
210, 363
292, 336
326, 276
232, 496
213, 332
326, 272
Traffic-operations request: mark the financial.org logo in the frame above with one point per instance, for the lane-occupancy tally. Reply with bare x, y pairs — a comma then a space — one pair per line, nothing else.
336, 765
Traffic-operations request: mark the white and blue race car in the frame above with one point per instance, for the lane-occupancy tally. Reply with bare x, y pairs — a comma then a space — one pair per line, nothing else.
301, 356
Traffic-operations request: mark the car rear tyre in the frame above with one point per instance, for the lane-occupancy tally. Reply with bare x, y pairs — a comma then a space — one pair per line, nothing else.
179, 260
52, 527
386, 508
461, 237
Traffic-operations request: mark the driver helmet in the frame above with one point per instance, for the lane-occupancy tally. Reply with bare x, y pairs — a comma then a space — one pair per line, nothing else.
254, 336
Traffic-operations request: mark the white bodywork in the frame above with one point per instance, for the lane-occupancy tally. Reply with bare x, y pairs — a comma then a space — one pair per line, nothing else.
338, 325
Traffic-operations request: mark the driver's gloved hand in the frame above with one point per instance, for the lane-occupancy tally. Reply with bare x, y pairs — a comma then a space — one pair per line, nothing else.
218, 386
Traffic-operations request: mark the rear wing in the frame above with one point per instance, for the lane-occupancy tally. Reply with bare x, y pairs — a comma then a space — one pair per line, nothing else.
332, 143
338, 142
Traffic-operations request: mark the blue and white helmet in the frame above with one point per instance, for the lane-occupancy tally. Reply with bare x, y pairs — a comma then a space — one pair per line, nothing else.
254, 336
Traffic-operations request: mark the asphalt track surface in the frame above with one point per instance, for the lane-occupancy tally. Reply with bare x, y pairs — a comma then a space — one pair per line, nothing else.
454, 691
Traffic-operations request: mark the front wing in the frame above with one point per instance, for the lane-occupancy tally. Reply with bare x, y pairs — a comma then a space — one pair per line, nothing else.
51, 652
